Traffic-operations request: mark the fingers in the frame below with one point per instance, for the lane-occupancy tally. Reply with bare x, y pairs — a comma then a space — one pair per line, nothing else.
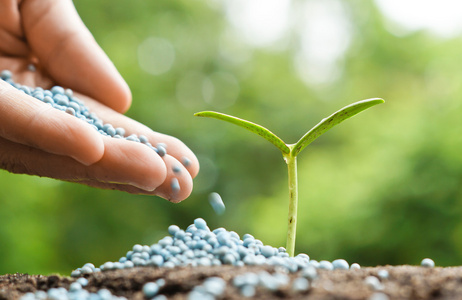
68, 52
176, 187
12, 43
178, 184
174, 146
31, 122
129, 163
126, 166
111, 163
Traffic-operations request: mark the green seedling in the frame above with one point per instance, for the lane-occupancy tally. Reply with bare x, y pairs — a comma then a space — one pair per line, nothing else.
290, 151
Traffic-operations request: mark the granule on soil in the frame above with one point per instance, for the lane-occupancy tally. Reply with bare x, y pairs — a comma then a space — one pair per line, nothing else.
405, 282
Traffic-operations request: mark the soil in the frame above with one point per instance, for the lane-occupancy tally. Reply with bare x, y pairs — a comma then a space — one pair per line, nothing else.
404, 282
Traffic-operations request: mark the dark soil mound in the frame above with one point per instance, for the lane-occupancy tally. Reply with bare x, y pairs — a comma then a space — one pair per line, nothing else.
403, 282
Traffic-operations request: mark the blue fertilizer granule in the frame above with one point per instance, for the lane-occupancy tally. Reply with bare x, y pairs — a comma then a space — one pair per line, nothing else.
65, 101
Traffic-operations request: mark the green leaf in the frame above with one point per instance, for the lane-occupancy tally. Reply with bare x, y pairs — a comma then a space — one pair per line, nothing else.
255, 128
332, 120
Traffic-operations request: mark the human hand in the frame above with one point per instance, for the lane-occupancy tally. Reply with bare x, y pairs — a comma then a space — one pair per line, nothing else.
36, 139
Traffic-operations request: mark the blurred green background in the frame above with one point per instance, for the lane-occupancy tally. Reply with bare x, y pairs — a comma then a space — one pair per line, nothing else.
381, 188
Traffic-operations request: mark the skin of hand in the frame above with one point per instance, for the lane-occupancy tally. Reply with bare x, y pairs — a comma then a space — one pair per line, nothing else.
37, 139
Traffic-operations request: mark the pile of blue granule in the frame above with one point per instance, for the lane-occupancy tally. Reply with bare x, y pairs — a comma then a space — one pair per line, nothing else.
198, 245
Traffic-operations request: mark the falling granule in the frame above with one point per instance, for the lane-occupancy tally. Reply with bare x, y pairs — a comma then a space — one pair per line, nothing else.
217, 203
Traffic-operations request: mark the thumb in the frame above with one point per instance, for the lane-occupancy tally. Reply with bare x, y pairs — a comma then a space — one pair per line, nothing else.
68, 52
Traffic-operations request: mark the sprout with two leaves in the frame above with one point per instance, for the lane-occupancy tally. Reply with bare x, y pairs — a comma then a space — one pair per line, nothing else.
290, 151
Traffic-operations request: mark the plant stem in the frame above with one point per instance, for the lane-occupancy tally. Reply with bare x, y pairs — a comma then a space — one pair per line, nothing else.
293, 202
